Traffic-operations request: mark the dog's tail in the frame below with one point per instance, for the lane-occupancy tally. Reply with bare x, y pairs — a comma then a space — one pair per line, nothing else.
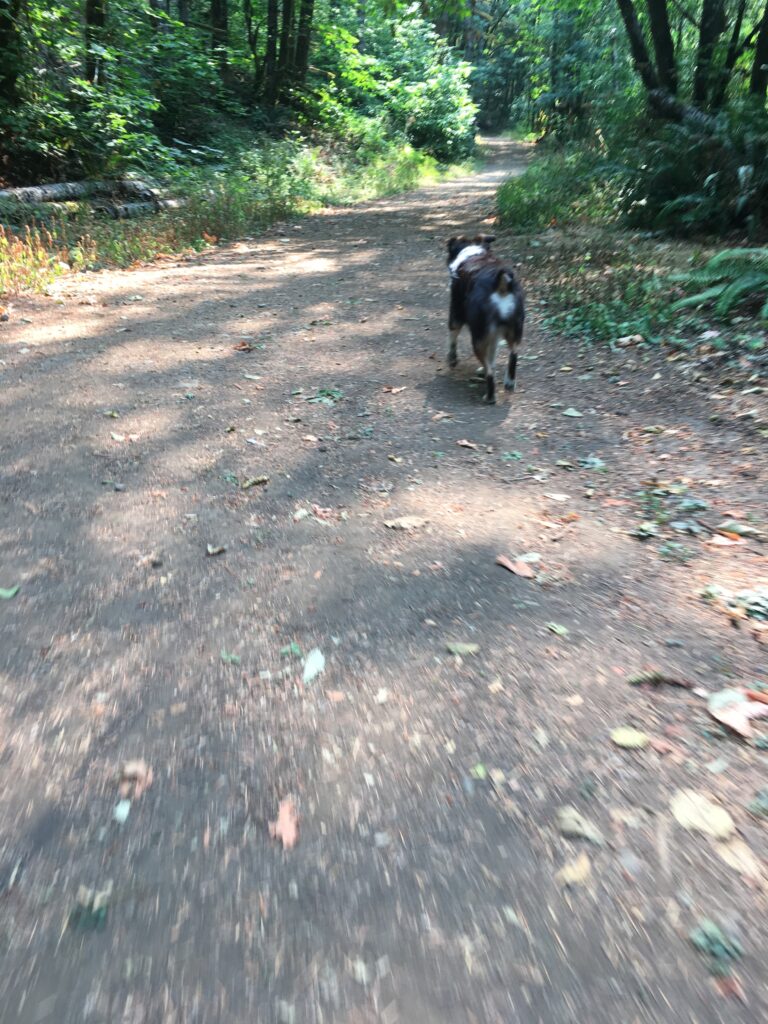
504, 281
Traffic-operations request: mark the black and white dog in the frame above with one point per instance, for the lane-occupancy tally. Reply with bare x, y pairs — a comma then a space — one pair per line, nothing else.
485, 295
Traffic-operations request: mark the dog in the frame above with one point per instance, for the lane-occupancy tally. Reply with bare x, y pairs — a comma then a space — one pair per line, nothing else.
487, 297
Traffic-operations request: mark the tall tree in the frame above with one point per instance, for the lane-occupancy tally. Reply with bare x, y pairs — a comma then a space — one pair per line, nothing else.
95, 23
663, 46
303, 40
220, 31
271, 83
11, 48
287, 42
711, 28
758, 81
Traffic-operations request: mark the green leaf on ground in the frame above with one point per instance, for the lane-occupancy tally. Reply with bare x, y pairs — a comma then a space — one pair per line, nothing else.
229, 659
628, 738
557, 629
454, 647
291, 650
7, 594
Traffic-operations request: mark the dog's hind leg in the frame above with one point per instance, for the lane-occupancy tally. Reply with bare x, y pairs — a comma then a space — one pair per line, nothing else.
514, 340
453, 337
486, 353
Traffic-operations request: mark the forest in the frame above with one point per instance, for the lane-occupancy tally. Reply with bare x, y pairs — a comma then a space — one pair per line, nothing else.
646, 113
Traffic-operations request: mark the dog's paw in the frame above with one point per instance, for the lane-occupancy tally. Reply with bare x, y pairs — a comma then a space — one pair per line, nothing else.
509, 385
453, 362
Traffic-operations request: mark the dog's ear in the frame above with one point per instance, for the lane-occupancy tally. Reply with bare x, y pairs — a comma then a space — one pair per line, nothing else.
485, 240
455, 241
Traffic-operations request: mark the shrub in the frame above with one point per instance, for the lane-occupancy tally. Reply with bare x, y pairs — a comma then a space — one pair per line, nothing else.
727, 279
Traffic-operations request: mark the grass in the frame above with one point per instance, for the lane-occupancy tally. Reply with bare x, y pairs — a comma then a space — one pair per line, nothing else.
259, 186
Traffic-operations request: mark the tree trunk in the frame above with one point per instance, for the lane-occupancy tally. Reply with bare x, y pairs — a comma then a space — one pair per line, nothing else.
758, 82
286, 55
712, 27
11, 49
220, 31
721, 86
270, 55
183, 11
663, 45
640, 55
303, 40
252, 31
95, 21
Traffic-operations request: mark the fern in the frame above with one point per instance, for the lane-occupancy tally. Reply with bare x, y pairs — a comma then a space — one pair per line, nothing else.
728, 278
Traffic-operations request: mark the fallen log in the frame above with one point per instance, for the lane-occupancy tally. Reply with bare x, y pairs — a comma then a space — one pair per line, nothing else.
69, 190
124, 211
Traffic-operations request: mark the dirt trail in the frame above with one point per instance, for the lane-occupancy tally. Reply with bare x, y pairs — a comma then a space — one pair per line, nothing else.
424, 884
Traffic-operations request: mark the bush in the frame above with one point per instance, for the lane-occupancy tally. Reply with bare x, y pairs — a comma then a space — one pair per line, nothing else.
729, 278
686, 180
557, 189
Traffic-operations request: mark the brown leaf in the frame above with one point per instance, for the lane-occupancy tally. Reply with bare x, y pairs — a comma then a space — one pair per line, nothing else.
729, 985
518, 568
286, 828
136, 775
335, 696
243, 346
394, 391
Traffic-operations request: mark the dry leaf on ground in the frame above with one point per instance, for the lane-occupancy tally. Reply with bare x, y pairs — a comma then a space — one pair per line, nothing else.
735, 710
698, 813
575, 872
518, 568
286, 828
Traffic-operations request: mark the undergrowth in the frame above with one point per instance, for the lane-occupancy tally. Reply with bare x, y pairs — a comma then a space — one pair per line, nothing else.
277, 180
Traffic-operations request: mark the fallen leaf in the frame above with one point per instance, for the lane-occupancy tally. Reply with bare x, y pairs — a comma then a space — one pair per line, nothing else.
335, 696
7, 593
557, 629
480, 772
254, 481
314, 664
135, 777
442, 416
466, 444
243, 346
229, 659
729, 985
575, 701
455, 647
572, 412
121, 812
394, 391
496, 686
291, 650
286, 828
575, 872
517, 567
698, 813
733, 709
628, 738
574, 825
215, 549
738, 856
405, 523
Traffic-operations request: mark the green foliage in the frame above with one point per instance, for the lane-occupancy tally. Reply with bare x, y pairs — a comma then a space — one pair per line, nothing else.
560, 188
688, 181
729, 278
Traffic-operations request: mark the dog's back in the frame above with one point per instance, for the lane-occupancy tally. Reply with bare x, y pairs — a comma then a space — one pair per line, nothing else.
485, 295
